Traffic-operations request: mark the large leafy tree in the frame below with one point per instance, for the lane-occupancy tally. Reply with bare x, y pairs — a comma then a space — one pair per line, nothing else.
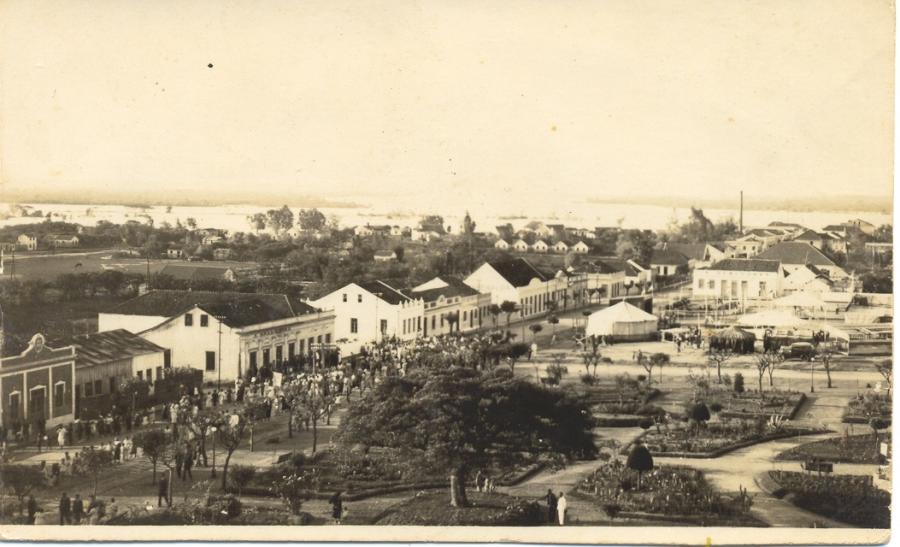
457, 420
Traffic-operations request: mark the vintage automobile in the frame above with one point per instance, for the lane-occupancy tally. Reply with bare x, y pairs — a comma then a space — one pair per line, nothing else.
799, 350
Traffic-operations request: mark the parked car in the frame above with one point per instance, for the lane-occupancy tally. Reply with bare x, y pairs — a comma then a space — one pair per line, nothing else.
799, 350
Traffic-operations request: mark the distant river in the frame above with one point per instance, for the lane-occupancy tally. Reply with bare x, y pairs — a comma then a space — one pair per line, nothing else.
486, 215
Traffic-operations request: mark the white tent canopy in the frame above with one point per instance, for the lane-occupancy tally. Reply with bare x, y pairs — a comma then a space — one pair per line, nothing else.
770, 318
622, 320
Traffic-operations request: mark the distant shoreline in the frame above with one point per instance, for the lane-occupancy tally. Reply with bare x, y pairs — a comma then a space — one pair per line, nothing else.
93, 199
839, 204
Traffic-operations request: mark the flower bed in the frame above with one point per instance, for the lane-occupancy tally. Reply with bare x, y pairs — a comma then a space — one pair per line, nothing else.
851, 449
847, 498
751, 405
494, 509
672, 491
715, 439
362, 476
863, 408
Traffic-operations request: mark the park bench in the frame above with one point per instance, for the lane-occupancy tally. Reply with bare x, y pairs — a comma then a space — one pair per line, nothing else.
818, 466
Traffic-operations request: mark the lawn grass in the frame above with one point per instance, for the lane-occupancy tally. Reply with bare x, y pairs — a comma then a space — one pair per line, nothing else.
432, 508
851, 449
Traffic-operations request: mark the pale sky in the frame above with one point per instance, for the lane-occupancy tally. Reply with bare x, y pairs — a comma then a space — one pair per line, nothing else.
342, 98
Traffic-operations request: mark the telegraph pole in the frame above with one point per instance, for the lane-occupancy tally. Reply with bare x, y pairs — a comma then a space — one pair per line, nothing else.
741, 217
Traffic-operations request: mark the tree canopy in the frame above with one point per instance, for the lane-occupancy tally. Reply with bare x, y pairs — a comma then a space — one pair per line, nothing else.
458, 419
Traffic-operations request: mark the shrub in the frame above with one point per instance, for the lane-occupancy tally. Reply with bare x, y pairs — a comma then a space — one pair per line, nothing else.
715, 407
612, 510
588, 379
641, 377
645, 424
738, 382
650, 410
240, 476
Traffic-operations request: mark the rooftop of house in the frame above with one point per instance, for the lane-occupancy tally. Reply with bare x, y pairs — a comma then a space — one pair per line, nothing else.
809, 235
746, 265
235, 309
835, 228
384, 253
692, 251
796, 252
665, 256
385, 292
105, 347
518, 271
446, 286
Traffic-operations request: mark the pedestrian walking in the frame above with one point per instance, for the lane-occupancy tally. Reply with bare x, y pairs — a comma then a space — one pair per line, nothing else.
77, 509
551, 506
561, 506
65, 510
163, 492
188, 464
179, 463
61, 437
31, 508
337, 507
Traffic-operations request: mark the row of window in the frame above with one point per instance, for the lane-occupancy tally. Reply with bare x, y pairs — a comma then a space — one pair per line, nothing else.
36, 400
189, 320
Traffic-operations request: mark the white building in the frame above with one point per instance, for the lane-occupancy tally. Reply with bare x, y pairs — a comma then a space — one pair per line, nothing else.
516, 280
27, 242
796, 255
450, 306
581, 248
371, 312
560, 247
252, 329
502, 244
520, 246
540, 246
740, 279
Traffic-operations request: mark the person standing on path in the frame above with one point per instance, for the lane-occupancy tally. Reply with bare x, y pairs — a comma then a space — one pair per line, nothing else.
188, 464
65, 510
337, 507
561, 506
163, 492
31, 508
77, 509
551, 506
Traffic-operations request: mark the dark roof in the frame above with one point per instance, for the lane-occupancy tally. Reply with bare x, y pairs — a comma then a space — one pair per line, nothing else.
608, 265
518, 271
692, 251
384, 291
835, 228
795, 252
763, 232
667, 257
455, 287
808, 235
105, 347
235, 309
193, 273
746, 265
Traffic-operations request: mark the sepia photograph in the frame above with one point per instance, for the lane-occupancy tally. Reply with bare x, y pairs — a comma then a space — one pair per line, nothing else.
607, 272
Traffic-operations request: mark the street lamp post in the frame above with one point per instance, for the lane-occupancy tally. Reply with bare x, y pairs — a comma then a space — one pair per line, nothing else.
219, 354
812, 368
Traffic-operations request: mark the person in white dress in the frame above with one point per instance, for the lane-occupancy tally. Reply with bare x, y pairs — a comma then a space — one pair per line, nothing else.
561, 505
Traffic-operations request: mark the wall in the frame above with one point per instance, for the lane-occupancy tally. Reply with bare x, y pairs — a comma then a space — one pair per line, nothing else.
701, 279
301, 331
486, 280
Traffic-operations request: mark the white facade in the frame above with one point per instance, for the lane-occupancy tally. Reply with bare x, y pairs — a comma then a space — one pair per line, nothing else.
28, 242
502, 244
738, 284
520, 246
581, 248
560, 247
540, 246
361, 317
195, 342
532, 298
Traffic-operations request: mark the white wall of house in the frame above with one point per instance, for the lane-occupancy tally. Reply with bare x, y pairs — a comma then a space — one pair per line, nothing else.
486, 280
152, 361
361, 317
737, 284
270, 342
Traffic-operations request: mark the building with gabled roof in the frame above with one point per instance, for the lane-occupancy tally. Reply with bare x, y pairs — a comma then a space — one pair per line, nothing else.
796, 254
667, 262
193, 273
371, 311
104, 359
517, 280
450, 305
255, 329
739, 279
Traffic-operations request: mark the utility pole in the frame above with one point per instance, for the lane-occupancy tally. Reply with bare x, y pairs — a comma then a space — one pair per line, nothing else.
741, 217
219, 364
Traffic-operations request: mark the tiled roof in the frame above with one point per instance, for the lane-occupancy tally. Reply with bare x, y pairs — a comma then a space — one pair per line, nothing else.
667, 257
384, 291
746, 265
693, 251
105, 347
236, 309
793, 252
808, 235
455, 287
518, 271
